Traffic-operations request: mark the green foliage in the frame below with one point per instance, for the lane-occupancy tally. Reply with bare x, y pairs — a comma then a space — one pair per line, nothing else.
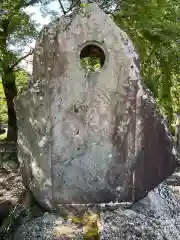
154, 29
21, 82
83, 4
3, 105
3, 136
91, 64
17, 30
152, 25
90, 222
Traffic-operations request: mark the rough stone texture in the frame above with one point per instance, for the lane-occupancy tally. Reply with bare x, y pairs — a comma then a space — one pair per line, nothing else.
48, 227
25, 210
156, 217
89, 139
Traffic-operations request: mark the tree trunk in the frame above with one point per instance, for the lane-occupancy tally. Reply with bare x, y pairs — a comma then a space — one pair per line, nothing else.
177, 133
10, 91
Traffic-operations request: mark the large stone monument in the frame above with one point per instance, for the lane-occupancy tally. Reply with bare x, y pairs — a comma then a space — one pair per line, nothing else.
89, 138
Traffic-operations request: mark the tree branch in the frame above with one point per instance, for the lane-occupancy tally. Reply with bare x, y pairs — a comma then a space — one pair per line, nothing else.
20, 59
70, 8
73, 5
29, 3
62, 7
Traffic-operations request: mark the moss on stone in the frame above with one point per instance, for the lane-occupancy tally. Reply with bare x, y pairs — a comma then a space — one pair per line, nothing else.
90, 222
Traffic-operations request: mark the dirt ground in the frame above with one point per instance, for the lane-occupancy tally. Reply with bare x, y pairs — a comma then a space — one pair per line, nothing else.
11, 187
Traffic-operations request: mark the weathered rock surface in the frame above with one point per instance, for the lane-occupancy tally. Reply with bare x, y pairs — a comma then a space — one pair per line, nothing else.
94, 139
156, 217
89, 139
48, 227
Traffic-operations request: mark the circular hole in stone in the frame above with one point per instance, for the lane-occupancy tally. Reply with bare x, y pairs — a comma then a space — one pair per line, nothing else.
92, 58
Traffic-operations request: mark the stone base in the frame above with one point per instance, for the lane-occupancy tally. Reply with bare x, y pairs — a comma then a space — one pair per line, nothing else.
157, 216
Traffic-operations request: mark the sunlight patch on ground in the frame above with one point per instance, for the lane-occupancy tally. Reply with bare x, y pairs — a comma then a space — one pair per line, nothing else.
3, 136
